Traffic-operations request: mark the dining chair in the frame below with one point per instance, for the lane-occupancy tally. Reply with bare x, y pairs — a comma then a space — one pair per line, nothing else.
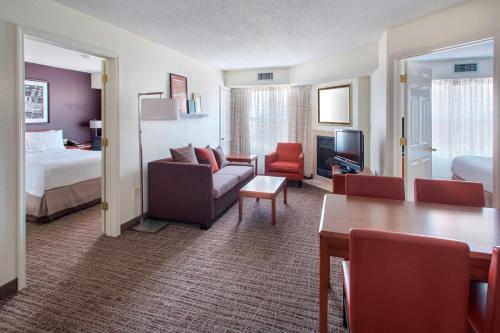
406, 283
452, 192
375, 186
484, 300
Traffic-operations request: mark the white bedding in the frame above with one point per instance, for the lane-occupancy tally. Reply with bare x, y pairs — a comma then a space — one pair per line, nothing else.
52, 169
474, 168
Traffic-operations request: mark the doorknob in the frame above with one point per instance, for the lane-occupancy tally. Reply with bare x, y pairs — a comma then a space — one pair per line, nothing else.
431, 149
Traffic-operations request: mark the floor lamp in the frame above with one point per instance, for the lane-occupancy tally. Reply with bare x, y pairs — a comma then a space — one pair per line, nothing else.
152, 109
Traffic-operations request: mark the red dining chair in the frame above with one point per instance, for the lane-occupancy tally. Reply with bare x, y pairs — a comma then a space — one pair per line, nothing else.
406, 283
452, 192
375, 186
484, 300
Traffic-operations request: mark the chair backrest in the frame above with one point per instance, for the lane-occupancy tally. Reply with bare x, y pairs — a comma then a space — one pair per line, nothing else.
452, 192
375, 186
338, 183
288, 151
407, 283
492, 316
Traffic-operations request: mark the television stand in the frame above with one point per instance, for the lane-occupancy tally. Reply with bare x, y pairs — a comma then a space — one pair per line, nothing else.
345, 169
338, 176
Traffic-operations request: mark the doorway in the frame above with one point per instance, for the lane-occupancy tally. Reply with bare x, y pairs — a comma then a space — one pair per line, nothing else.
447, 115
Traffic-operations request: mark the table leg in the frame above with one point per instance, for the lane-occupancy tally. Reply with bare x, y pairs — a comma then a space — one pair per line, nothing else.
256, 167
324, 279
285, 193
257, 199
273, 210
240, 204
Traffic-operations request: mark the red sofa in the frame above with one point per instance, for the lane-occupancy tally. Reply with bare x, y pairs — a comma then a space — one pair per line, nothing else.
287, 161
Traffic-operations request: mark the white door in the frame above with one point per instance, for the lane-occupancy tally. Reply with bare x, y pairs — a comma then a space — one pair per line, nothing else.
418, 119
225, 119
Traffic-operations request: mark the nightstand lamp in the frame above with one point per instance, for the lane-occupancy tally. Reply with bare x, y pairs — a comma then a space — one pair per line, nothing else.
96, 125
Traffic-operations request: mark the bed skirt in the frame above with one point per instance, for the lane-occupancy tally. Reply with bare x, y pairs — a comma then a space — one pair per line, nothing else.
63, 200
488, 196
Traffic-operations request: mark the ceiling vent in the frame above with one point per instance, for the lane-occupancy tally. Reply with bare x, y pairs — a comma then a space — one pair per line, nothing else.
462, 68
265, 76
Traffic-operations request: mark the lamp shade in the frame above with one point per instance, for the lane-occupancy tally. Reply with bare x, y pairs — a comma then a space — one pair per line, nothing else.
159, 109
95, 124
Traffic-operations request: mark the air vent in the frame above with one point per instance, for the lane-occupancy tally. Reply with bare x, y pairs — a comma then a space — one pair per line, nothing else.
461, 68
265, 76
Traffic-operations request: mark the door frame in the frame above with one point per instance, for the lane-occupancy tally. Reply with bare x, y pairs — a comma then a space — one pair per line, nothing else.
110, 129
396, 109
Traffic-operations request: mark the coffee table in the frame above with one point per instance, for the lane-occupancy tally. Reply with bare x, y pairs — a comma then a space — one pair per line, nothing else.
263, 187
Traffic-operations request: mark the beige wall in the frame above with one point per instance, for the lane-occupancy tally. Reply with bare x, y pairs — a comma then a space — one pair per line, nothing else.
143, 66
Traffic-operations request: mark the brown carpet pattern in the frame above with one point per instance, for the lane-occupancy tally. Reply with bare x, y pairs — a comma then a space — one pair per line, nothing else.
236, 277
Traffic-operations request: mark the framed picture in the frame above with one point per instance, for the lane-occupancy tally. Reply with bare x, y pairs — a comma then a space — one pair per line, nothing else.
197, 102
178, 91
36, 101
334, 105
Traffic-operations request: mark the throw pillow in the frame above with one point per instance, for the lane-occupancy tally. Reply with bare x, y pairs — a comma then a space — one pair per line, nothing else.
220, 157
206, 156
184, 155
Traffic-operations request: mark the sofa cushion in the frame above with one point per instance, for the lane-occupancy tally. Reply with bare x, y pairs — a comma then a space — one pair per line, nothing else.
220, 157
184, 155
206, 156
242, 171
223, 184
284, 166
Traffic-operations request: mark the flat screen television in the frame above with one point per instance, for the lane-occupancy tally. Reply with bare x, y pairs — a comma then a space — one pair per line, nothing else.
349, 150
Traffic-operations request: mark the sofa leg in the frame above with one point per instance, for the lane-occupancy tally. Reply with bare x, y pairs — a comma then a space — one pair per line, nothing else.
300, 184
205, 226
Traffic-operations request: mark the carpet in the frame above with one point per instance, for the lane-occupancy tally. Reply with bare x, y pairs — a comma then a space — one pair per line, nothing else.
236, 277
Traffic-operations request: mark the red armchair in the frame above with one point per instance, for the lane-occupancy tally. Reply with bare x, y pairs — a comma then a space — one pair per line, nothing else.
287, 161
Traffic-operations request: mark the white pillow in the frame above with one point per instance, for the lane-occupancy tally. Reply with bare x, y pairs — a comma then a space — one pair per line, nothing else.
34, 142
52, 140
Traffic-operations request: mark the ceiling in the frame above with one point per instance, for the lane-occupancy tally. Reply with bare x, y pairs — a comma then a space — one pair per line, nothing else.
236, 34
478, 50
39, 52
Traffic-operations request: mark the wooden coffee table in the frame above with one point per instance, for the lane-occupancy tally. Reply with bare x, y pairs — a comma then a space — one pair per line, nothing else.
263, 187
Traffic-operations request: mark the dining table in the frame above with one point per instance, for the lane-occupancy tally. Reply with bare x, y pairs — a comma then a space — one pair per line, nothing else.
478, 227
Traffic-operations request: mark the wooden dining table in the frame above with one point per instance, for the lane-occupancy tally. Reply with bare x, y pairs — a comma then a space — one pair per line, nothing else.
478, 227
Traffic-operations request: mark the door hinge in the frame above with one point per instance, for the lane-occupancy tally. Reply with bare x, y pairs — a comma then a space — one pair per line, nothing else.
104, 142
104, 205
402, 141
403, 78
104, 78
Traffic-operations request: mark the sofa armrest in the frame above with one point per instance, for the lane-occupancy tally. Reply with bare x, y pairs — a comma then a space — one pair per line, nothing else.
180, 191
269, 158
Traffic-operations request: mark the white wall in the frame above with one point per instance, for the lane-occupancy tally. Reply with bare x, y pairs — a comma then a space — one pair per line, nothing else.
445, 69
248, 77
378, 114
143, 66
355, 63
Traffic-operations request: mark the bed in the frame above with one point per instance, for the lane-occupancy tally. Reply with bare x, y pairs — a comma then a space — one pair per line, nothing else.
59, 181
477, 169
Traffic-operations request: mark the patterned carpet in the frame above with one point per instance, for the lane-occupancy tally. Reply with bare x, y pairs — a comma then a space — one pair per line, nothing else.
236, 277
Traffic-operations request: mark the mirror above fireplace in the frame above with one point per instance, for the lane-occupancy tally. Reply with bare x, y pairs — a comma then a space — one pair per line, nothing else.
334, 105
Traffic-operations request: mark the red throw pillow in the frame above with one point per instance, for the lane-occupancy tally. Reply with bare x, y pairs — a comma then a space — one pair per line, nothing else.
206, 156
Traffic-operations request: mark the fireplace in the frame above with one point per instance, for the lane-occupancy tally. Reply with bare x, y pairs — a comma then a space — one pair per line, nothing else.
325, 152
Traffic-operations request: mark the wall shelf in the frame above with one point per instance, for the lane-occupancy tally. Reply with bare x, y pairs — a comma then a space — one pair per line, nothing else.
194, 115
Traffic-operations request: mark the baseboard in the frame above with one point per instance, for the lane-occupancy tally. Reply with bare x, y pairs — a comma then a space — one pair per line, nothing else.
129, 224
8, 289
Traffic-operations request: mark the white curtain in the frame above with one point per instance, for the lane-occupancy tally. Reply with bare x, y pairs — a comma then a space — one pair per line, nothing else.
462, 123
263, 116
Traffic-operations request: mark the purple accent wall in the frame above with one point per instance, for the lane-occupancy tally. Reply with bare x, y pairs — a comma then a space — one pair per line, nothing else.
72, 102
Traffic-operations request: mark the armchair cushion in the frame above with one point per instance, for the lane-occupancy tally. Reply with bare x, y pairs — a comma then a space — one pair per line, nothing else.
284, 166
289, 151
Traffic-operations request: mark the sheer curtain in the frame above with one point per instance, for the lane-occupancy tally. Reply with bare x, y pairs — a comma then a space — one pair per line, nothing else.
462, 123
263, 116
